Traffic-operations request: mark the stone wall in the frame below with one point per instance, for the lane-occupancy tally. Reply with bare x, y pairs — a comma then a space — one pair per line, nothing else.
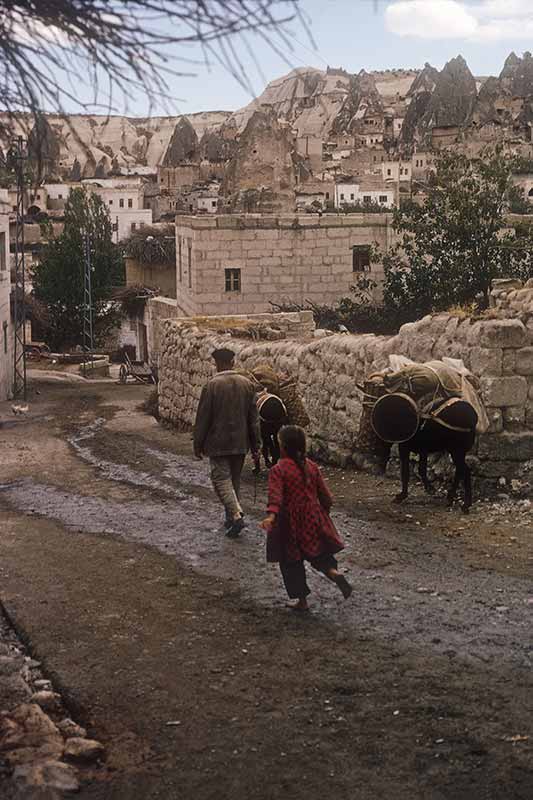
329, 367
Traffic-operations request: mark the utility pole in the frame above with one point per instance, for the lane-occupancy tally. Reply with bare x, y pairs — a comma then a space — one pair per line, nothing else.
17, 157
88, 343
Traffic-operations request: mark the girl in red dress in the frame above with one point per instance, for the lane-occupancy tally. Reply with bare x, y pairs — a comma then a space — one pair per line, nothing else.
298, 523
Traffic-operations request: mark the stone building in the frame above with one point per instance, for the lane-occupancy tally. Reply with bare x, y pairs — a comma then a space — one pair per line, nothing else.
237, 264
6, 332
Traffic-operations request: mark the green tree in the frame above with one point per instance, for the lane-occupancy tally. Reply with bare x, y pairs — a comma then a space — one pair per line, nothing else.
459, 238
58, 279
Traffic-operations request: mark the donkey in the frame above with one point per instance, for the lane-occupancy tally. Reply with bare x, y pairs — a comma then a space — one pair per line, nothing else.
434, 437
272, 416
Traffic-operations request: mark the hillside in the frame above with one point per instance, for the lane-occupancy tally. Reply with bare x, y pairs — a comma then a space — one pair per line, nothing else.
397, 109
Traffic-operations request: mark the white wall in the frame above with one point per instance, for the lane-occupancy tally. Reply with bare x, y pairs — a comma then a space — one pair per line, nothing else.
125, 221
352, 193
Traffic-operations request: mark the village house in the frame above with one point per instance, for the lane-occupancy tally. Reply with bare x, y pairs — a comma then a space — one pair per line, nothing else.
365, 191
124, 199
6, 331
396, 171
525, 182
237, 264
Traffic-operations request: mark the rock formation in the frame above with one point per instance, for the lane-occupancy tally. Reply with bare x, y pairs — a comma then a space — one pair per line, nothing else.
262, 164
183, 145
362, 99
453, 97
43, 149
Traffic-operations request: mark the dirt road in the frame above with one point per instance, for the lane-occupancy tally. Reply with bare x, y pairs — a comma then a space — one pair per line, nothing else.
114, 566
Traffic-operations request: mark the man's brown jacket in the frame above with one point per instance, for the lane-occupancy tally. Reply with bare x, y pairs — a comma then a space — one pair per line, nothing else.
227, 420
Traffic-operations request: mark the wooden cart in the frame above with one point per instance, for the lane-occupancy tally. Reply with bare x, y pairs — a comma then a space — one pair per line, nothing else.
138, 370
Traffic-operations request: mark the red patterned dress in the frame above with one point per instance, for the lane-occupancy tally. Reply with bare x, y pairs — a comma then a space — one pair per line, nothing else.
303, 528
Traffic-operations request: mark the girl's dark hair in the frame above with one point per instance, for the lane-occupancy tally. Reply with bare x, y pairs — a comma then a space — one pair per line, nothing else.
292, 439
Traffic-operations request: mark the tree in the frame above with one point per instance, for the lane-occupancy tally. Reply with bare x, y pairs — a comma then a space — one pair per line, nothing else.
49, 50
453, 244
58, 278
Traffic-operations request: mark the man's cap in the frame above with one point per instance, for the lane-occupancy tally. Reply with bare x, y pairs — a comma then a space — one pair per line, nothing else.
223, 354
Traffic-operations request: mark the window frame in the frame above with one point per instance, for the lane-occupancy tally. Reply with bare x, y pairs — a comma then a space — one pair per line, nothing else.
232, 280
361, 258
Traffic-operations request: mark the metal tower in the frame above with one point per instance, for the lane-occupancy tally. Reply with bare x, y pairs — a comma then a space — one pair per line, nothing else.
17, 157
88, 344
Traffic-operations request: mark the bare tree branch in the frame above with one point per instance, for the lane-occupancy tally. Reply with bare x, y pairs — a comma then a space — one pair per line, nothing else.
118, 49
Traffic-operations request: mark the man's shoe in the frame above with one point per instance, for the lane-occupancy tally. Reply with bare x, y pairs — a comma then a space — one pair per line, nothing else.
236, 527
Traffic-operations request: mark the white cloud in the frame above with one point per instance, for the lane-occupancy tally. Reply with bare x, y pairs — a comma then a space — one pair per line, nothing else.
485, 21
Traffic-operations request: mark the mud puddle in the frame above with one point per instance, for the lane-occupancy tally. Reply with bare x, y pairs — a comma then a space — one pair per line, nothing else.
420, 596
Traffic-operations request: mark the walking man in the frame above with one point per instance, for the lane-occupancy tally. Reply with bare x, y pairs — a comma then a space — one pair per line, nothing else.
226, 428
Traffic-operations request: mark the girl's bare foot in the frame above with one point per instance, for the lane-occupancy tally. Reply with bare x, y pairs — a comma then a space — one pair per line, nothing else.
345, 587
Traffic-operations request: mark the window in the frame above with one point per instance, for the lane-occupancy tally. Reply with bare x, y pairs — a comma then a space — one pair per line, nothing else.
367, 199
59, 196
233, 280
342, 197
130, 202
361, 258
5, 337
2, 251
327, 195
133, 225
401, 170
351, 196
110, 202
121, 202
383, 198
213, 203
189, 247
179, 259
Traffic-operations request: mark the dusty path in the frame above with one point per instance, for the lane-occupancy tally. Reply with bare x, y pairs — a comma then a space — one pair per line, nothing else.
411, 689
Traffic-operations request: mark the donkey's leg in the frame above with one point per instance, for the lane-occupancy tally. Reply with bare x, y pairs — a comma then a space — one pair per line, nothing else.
265, 439
423, 472
458, 458
404, 452
274, 446
468, 489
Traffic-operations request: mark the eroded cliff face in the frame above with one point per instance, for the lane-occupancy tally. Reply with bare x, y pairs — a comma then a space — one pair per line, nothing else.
362, 99
94, 140
260, 176
43, 150
183, 145
453, 98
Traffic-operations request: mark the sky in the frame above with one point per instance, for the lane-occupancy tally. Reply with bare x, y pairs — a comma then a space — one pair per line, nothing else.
369, 34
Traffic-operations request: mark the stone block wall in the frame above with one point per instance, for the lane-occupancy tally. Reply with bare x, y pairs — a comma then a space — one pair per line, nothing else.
328, 369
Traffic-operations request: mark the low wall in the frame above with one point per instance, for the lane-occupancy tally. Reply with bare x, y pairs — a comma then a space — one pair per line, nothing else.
328, 369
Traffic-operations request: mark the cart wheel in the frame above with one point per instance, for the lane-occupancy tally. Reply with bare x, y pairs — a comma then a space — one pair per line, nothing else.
123, 374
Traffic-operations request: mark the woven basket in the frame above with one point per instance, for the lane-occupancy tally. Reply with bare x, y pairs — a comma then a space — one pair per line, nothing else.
296, 411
